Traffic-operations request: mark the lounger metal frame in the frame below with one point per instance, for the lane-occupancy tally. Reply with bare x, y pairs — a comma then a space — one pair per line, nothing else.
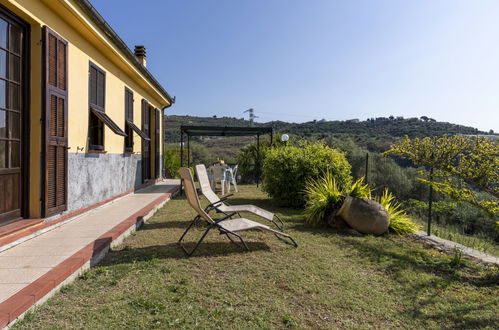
216, 223
223, 231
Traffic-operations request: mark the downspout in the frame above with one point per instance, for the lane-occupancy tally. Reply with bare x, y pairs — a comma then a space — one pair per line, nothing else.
163, 145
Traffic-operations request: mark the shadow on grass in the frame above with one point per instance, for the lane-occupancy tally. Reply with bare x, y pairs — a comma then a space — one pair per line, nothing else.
410, 267
264, 203
396, 258
130, 255
169, 224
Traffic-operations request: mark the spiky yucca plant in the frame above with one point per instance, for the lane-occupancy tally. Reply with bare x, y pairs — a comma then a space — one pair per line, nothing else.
320, 194
359, 189
400, 222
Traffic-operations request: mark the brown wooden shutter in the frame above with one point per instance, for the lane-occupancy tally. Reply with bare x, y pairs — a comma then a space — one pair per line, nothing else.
92, 86
55, 59
101, 88
128, 105
157, 157
146, 152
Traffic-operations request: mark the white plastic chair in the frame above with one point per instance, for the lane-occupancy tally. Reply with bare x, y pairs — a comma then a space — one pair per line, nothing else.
230, 178
218, 171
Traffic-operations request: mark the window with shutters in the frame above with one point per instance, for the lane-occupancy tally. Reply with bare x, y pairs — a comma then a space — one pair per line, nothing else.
55, 61
130, 127
128, 118
97, 89
97, 114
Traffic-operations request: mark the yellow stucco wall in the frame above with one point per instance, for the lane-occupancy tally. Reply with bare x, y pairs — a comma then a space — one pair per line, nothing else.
84, 45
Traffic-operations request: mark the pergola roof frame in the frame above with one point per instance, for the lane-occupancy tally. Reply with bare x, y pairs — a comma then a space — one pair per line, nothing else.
225, 130
220, 131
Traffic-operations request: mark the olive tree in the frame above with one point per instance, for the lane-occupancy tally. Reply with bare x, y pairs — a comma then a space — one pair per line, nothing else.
461, 164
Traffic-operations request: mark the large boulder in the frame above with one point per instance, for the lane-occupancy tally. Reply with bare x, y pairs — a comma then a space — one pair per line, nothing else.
364, 215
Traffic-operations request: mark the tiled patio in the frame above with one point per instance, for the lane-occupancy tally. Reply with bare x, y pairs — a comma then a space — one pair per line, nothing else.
32, 270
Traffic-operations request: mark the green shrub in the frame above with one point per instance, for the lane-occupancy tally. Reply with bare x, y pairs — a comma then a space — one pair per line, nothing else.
248, 160
400, 222
320, 195
286, 169
172, 163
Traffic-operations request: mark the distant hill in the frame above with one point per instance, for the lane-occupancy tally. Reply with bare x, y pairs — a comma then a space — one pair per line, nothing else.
374, 134
392, 127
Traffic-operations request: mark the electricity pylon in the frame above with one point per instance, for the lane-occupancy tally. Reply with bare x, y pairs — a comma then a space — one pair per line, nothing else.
251, 115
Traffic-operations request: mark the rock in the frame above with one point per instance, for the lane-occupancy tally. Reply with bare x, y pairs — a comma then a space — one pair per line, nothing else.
365, 215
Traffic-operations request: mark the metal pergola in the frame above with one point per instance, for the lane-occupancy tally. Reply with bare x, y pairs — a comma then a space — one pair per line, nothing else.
220, 131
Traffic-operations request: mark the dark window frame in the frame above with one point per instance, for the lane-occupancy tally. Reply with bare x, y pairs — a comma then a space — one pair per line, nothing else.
96, 137
129, 102
146, 144
106, 120
130, 127
97, 112
25, 79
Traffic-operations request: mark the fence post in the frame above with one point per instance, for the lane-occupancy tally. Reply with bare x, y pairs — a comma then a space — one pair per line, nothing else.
258, 159
181, 158
430, 202
367, 167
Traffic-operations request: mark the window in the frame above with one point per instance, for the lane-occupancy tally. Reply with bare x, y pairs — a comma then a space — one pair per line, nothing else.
128, 118
98, 117
130, 127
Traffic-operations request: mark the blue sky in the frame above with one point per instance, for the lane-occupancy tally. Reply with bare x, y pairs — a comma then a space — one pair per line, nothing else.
298, 60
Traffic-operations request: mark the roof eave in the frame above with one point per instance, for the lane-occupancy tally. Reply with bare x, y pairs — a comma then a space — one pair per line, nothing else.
94, 15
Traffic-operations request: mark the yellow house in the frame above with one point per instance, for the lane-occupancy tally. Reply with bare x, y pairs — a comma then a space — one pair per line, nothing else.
80, 115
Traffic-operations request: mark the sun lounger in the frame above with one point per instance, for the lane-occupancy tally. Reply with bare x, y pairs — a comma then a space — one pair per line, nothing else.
226, 226
220, 204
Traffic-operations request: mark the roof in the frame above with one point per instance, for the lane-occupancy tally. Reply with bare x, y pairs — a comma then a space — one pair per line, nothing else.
224, 130
113, 36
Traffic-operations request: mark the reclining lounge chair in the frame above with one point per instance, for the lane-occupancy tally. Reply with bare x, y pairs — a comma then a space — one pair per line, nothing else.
226, 226
220, 204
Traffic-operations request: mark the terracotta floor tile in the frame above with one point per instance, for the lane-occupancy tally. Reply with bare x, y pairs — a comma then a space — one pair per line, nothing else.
21, 275
7, 290
29, 251
30, 262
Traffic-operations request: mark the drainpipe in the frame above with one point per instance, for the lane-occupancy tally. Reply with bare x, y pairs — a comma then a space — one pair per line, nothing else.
163, 134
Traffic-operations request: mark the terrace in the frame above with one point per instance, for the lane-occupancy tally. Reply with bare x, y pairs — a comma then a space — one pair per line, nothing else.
36, 261
333, 279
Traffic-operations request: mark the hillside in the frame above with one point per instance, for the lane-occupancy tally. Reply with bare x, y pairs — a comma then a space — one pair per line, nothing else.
374, 134
381, 127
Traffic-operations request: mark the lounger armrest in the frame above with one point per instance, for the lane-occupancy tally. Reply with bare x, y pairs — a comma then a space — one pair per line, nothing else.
225, 197
215, 204
225, 218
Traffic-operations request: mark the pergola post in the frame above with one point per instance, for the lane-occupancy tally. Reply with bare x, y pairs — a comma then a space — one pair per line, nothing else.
181, 148
188, 150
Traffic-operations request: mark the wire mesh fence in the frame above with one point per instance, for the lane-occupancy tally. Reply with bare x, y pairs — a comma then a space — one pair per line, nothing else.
437, 214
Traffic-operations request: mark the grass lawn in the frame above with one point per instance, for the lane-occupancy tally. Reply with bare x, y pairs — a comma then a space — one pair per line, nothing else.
331, 280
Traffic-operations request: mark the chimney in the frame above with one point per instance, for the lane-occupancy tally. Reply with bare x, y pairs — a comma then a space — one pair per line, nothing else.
140, 54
